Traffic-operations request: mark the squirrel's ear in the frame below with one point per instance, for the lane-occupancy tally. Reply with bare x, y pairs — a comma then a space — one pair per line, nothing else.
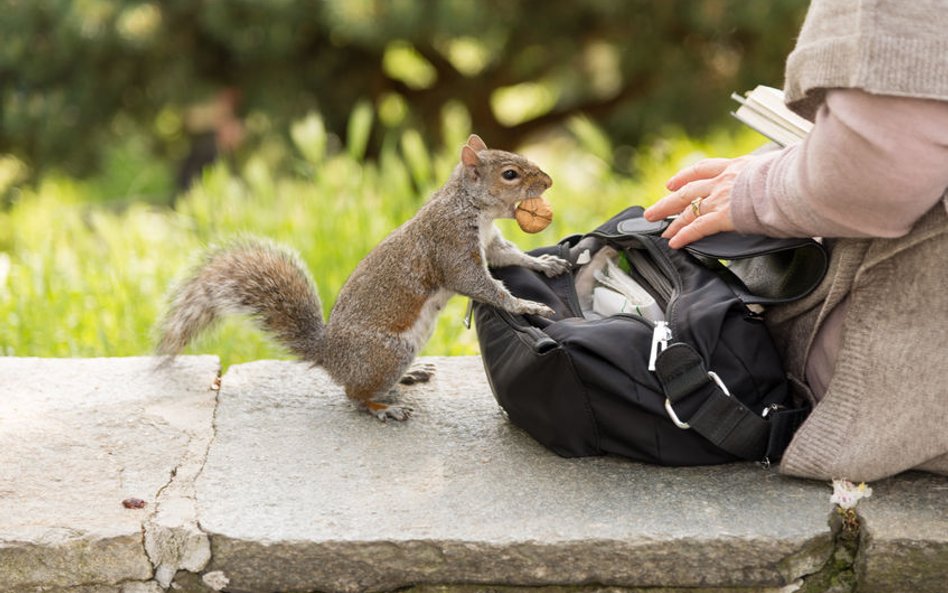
469, 158
475, 142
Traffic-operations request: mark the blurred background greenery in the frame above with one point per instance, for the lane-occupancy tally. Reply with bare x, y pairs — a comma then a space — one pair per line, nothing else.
133, 133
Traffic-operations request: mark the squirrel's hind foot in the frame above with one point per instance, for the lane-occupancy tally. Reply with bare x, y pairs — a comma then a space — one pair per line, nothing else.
385, 412
420, 372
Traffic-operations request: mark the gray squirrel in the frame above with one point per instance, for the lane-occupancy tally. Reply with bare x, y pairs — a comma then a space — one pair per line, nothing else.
387, 308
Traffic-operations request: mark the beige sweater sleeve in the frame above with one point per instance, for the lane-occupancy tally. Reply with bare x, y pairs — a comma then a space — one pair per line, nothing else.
871, 167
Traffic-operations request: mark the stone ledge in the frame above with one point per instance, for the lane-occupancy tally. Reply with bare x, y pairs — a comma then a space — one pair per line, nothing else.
905, 535
77, 438
332, 500
277, 484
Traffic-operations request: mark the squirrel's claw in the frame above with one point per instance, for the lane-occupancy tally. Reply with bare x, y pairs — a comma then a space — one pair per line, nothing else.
385, 411
552, 265
525, 307
399, 413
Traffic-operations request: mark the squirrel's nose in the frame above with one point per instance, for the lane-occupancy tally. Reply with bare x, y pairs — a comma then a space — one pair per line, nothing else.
547, 180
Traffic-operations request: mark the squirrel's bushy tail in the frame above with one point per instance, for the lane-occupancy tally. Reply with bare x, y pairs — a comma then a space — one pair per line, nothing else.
251, 276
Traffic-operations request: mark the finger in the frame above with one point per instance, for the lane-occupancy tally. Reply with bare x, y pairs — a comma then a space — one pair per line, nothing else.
703, 169
703, 226
686, 217
678, 200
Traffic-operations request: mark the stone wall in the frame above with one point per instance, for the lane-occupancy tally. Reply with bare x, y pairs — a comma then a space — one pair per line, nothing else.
268, 480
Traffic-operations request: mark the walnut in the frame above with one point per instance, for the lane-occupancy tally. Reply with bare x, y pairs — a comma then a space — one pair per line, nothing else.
534, 214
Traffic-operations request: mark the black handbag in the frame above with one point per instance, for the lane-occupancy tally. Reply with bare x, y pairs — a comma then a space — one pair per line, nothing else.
704, 385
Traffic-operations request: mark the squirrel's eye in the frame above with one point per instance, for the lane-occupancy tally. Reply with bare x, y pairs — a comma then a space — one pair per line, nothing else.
510, 174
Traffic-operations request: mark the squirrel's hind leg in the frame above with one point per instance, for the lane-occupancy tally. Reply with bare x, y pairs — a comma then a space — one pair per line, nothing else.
368, 364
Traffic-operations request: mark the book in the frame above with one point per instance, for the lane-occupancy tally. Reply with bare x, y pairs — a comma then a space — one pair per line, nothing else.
763, 110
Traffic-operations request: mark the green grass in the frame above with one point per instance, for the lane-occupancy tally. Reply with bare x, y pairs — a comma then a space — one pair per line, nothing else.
81, 277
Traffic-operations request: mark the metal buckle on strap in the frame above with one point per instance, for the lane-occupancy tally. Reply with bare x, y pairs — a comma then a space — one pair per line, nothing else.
671, 411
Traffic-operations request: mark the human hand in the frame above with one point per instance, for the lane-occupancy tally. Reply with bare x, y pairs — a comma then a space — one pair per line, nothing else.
701, 196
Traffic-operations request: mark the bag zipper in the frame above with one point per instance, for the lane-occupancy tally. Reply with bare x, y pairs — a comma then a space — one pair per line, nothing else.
671, 274
649, 272
663, 332
661, 335
658, 259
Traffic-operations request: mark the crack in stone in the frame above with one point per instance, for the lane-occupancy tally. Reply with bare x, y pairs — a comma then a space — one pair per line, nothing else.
183, 545
174, 473
148, 557
217, 387
837, 575
150, 522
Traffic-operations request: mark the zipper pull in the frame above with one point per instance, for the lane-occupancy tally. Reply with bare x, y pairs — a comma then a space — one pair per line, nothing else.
660, 337
468, 313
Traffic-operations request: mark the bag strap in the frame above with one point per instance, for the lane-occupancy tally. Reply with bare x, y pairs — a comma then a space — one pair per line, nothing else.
722, 418
764, 270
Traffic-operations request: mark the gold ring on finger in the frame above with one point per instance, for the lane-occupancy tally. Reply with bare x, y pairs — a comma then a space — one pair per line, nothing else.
696, 206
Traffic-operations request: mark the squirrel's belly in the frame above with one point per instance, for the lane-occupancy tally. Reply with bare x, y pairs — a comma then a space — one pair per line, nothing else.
419, 333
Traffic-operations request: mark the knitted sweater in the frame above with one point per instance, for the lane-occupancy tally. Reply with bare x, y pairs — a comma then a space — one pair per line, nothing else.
886, 47
885, 409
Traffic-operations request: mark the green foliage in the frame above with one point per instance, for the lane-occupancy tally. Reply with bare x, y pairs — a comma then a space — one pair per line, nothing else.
77, 74
78, 278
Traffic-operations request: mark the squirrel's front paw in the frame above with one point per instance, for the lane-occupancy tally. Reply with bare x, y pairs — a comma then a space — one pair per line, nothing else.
525, 307
551, 265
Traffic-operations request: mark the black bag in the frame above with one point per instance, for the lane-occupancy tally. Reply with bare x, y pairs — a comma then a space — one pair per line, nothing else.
717, 391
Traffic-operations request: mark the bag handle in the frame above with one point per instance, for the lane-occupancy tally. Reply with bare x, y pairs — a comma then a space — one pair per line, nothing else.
760, 270
764, 270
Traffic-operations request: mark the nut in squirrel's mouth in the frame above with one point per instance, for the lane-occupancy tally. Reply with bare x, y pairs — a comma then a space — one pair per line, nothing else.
515, 207
533, 214
531, 203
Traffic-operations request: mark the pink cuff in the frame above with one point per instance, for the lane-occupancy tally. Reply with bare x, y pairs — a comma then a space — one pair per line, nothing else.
751, 182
